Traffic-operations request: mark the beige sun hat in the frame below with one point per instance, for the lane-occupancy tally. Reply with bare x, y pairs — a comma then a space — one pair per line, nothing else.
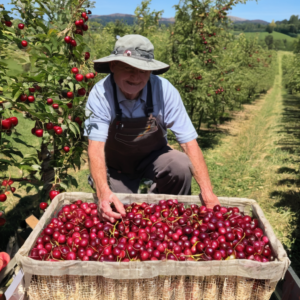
135, 50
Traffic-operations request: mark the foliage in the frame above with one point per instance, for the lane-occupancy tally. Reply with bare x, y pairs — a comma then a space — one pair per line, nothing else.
269, 41
291, 72
47, 61
213, 73
146, 21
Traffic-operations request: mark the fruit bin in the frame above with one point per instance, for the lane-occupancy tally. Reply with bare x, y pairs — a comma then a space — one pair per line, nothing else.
174, 280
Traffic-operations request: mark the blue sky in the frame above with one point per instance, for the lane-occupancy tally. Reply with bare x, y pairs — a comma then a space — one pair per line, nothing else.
266, 10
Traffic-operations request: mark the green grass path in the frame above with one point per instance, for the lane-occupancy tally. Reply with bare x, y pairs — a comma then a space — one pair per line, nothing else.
254, 162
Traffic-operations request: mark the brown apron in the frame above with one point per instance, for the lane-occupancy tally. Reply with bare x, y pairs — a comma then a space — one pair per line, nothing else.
130, 141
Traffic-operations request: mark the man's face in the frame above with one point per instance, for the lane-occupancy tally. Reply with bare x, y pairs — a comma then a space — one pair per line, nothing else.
129, 79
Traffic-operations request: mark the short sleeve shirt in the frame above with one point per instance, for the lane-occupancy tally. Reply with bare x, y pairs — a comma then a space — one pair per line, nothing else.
168, 109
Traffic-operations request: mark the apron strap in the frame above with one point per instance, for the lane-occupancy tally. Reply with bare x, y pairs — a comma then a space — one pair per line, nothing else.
149, 103
117, 106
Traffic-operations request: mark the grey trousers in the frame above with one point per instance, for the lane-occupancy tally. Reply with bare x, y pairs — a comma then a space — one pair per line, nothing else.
170, 171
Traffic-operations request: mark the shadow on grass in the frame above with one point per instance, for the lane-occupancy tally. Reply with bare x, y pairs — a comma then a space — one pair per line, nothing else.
15, 218
290, 198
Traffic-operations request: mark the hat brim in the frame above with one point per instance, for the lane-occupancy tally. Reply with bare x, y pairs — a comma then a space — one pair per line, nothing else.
102, 65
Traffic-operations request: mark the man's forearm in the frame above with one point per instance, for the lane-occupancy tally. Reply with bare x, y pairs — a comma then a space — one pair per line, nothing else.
199, 168
97, 165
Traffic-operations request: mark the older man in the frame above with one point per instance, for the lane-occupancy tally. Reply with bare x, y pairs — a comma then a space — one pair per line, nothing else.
129, 113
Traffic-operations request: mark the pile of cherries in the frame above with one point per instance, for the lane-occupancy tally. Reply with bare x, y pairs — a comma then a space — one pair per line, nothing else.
167, 230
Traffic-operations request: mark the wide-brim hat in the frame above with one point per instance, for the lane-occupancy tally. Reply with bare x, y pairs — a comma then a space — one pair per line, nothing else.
134, 50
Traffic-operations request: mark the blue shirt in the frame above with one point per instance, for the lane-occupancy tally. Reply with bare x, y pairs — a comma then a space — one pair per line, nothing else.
168, 109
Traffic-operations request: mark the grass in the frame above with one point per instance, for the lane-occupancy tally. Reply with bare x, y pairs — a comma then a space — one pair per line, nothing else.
262, 35
258, 159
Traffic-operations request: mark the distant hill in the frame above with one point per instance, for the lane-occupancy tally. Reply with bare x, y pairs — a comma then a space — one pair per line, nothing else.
129, 19
253, 21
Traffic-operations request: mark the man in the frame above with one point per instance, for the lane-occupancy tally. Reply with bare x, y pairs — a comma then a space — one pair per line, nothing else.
129, 113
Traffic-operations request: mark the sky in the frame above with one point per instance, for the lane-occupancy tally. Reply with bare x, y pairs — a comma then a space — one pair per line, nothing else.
266, 10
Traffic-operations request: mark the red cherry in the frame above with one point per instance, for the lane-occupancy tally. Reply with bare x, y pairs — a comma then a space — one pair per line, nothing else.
78, 31
87, 55
33, 130
13, 189
73, 43
8, 23
70, 105
68, 39
79, 77
6, 124
81, 22
66, 149
38, 88
43, 205
21, 26
2, 197
86, 18
31, 90
4, 182
70, 95
88, 76
23, 98
31, 99
59, 131
39, 132
49, 101
14, 120
74, 70
92, 75
83, 14
55, 105
52, 194
77, 23
49, 126
78, 121
89, 12
24, 43
81, 92
2, 221
85, 27
10, 182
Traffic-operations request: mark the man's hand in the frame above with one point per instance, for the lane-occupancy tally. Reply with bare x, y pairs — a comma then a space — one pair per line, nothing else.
209, 199
105, 199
